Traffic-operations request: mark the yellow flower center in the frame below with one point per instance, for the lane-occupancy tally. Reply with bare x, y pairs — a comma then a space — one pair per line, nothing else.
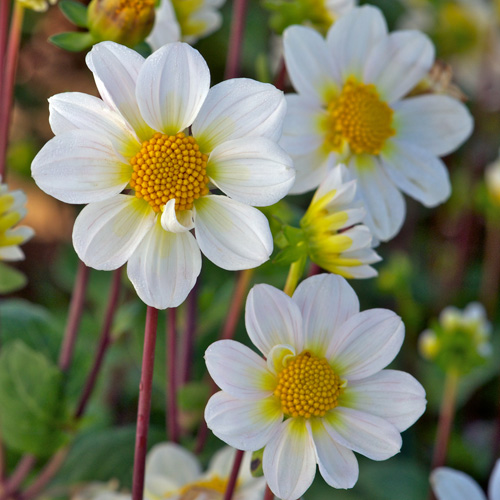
139, 6
210, 489
359, 119
170, 167
308, 387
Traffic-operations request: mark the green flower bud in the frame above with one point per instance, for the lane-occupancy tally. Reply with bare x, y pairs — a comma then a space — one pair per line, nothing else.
127, 22
459, 341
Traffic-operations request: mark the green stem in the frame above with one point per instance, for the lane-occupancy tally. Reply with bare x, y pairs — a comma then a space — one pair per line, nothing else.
294, 274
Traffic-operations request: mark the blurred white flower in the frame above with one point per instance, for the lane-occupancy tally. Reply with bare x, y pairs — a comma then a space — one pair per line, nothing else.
451, 484
350, 107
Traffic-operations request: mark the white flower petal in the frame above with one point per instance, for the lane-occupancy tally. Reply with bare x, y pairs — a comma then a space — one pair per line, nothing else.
310, 170
398, 62
172, 462
392, 395
115, 68
494, 484
289, 460
166, 29
238, 370
11, 253
208, 22
337, 464
301, 128
171, 87
232, 235
385, 205
436, 123
450, 484
243, 424
310, 65
367, 434
239, 108
255, 170
417, 172
74, 110
352, 37
177, 221
325, 302
272, 318
80, 166
164, 267
106, 233
366, 343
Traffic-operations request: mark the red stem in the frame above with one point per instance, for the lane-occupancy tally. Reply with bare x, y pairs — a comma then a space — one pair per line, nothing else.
172, 413
7, 87
4, 29
236, 39
279, 81
24, 467
48, 472
188, 337
74, 316
268, 495
227, 333
143, 412
104, 343
231, 485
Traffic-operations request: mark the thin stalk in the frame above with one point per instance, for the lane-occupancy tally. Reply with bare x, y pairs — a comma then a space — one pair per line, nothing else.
294, 274
144, 409
231, 484
446, 417
74, 316
239, 295
279, 80
491, 267
104, 343
236, 39
172, 412
189, 335
4, 29
7, 87
23, 468
45, 476
268, 495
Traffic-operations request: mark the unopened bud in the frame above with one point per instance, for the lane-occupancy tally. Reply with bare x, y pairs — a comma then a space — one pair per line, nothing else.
127, 22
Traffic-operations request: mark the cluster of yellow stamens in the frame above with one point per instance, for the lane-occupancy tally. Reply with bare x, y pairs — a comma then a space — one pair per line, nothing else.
209, 489
170, 167
360, 118
138, 5
307, 387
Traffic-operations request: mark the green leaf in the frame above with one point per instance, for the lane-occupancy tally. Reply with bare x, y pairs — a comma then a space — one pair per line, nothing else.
30, 401
11, 279
193, 396
76, 12
72, 41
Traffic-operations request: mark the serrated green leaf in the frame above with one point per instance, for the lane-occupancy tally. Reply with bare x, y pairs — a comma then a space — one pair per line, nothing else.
11, 279
30, 401
193, 396
76, 12
72, 41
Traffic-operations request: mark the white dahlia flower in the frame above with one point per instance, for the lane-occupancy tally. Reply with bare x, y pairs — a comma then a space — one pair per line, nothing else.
350, 106
321, 393
145, 158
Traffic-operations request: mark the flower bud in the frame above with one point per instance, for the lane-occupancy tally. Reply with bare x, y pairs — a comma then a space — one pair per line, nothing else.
127, 22
459, 341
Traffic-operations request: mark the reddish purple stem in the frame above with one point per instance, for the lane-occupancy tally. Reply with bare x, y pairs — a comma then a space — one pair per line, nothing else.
172, 413
236, 39
231, 485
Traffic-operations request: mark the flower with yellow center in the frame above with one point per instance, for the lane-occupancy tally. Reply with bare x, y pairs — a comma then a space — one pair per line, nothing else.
185, 20
321, 393
146, 157
336, 240
351, 108
12, 210
173, 473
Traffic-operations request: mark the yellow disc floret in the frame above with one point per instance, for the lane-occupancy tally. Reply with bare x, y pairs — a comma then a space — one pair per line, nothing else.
170, 167
307, 387
359, 118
